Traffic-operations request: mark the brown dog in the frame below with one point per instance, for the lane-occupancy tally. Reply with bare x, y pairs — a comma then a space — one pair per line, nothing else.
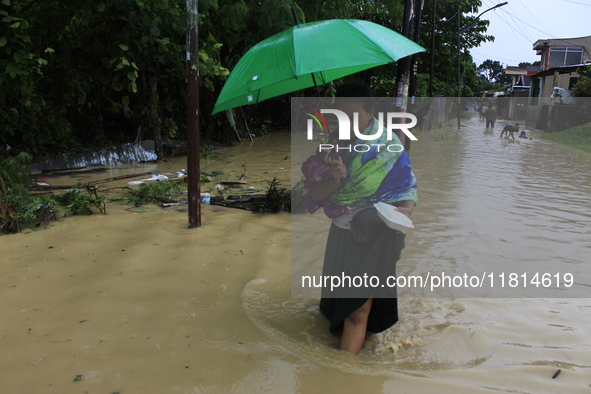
509, 129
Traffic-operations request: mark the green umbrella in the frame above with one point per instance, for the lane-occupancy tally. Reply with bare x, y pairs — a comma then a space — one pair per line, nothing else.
308, 55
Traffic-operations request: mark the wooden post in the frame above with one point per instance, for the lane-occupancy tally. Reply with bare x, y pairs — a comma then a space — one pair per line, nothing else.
404, 70
412, 88
459, 68
193, 154
432, 71
245, 124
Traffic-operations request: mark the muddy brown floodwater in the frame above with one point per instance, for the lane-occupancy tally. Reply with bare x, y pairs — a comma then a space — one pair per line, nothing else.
134, 302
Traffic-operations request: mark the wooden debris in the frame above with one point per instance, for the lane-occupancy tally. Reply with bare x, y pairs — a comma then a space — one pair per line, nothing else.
239, 201
72, 171
246, 124
240, 185
36, 186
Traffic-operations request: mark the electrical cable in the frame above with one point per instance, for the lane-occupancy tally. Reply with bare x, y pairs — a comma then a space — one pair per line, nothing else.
576, 2
537, 20
519, 27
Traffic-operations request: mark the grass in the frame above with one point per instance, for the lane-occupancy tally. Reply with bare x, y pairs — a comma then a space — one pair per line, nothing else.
277, 199
440, 134
465, 115
578, 137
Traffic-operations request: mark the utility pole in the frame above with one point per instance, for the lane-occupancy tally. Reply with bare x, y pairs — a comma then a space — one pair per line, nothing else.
432, 71
193, 149
459, 72
403, 71
412, 88
460, 32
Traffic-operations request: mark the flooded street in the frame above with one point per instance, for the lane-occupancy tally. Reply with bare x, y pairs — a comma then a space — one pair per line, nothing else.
134, 302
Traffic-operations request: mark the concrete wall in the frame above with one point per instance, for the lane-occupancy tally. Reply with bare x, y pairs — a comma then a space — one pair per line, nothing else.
562, 81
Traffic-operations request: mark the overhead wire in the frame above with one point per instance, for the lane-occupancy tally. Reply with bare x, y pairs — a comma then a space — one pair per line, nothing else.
497, 57
525, 23
537, 20
533, 27
576, 2
519, 27
514, 30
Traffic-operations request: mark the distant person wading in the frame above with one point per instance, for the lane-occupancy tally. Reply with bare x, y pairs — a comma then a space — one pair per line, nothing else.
490, 115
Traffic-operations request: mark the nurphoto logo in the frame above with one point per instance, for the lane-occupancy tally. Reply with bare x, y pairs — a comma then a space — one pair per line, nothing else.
393, 122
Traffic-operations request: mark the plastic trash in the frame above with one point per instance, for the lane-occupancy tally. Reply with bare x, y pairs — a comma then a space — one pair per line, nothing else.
206, 200
158, 177
155, 177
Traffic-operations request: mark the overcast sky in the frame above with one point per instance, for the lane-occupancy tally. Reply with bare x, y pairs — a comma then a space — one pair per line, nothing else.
517, 25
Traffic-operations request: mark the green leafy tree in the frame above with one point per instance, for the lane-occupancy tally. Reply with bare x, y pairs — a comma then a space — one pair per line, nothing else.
86, 74
446, 37
493, 71
525, 64
583, 86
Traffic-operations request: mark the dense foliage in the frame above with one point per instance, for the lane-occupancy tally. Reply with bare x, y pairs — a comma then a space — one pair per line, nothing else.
82, 74
583, 87
443, 21
20, 209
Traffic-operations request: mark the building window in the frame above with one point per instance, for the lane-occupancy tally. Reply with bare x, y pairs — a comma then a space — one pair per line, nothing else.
572, 82
565, 56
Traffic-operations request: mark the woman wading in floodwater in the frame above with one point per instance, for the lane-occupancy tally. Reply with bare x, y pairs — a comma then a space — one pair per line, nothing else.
347, 185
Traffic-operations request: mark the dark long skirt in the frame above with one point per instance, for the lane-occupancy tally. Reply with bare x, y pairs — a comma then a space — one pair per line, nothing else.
345, 257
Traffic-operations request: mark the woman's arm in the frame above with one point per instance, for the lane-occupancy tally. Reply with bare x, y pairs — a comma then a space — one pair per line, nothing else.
405, 207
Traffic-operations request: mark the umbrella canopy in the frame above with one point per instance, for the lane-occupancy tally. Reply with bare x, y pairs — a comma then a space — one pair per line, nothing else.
311, 54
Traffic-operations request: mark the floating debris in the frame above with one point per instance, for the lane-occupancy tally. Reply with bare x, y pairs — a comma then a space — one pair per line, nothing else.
43, 185
247, 202
155, 177
65, 172
275, 200
224, 187
221, 189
